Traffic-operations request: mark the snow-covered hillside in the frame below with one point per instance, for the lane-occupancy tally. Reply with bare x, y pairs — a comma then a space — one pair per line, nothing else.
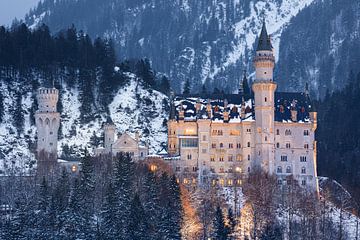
207, 42
134, 108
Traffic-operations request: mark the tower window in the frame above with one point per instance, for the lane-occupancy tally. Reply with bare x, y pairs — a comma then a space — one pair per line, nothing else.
288, 169
265, 139
302, 158
221, 145
287, 132
248, 157
283, 158
277, 132
306, 146
51, 133
279, 169
277, 145
306, 132
265, 99
303, 170
248, 144
288, 145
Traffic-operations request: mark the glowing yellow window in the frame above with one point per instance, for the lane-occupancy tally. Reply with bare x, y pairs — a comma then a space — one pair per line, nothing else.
190, 131
239, 182
213, 182
230, 182
194, 180
222, 182
153, 167
238, 157
234, 132
186, 181
73, 168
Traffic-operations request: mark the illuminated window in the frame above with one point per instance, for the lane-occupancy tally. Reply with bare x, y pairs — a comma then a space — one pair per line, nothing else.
190, 131
239, 182
73, 168
212, 159
194, 180
153, 167
238, 169
234, 132
213, 182
222, 182
238, 157
229, 182
186, 181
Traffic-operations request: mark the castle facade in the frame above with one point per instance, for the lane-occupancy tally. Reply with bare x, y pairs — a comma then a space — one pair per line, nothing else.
219, 139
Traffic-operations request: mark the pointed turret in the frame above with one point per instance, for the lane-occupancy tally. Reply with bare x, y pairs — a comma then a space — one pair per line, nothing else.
264, 43
172, 106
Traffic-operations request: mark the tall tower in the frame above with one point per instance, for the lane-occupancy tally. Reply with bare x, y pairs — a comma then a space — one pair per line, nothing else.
264, 90
47, 121
109, 135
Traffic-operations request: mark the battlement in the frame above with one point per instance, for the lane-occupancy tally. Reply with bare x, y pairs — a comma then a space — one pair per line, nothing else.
47, 99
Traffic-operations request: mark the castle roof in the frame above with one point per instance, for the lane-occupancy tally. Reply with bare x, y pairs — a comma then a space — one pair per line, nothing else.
232, 103
264, 43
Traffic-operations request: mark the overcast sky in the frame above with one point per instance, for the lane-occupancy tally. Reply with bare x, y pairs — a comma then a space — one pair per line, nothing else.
9, 9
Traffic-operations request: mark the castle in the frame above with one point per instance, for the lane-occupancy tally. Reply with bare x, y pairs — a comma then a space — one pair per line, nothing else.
47, 121
219, 139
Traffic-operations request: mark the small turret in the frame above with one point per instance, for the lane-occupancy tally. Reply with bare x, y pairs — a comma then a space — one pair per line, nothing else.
172, 106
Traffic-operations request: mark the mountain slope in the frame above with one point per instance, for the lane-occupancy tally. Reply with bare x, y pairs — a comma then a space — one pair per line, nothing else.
207, 42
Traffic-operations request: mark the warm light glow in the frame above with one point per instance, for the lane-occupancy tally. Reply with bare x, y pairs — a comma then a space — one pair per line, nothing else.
186, 181
153, 168
190, 131
73, 168
238, 169
222, 182
234, 132
230, 182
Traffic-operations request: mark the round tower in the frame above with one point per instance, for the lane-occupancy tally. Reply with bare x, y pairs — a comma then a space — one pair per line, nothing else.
109, 135
264, 93
47, 121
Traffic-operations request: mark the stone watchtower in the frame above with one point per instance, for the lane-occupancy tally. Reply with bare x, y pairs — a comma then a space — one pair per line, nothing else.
264, 91
109, 136
47, 121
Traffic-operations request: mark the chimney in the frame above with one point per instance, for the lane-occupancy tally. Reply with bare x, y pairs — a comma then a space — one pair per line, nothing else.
294, 114
208, 108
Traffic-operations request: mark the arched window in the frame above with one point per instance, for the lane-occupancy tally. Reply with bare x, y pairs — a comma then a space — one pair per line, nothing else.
221, 145
47, 121
277, 145
288, 169
303, 170
279, 169
277, 132
248, 144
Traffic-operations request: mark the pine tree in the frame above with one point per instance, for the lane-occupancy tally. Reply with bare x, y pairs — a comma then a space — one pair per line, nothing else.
109, 214
231, 220
138, 225
247, 90
165, 85
18, 114
123, 178
220, 231
2, 110
187, 87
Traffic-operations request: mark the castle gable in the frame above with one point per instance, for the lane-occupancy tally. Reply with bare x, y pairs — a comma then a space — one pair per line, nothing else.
125, 141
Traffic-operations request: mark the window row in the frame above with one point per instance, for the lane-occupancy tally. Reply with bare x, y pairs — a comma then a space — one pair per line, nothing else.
288, 145
284, 158
288, 170
288, 182
288, 132
231, 145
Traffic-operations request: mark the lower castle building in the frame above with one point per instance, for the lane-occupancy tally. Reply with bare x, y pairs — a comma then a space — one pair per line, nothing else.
219, 139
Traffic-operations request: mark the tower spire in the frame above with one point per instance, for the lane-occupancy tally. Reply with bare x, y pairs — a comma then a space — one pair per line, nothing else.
264, 43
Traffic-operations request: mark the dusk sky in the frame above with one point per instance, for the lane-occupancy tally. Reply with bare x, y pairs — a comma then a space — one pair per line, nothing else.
9, 9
